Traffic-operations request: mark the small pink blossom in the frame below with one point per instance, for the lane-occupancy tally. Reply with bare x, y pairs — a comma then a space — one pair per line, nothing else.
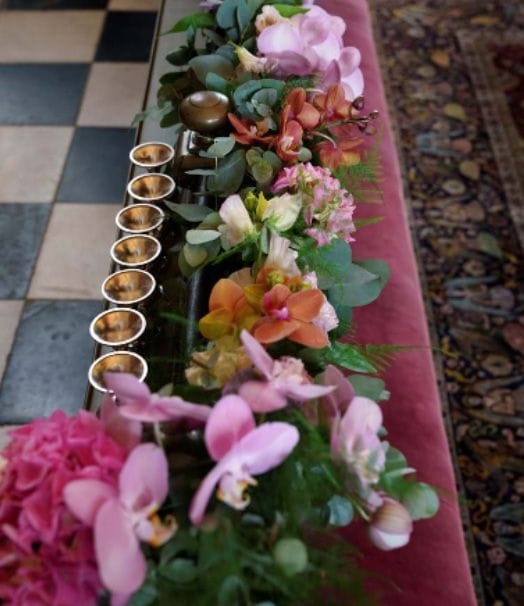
241, 450
390, 525
327, 319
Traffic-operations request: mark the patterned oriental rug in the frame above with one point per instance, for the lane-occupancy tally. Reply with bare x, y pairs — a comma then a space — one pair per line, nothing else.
454, 72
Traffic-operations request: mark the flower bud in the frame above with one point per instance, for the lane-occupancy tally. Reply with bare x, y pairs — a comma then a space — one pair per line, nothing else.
391, 525
290, 556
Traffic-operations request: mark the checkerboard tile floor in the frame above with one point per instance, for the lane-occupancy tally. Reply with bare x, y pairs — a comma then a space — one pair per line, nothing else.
72, 75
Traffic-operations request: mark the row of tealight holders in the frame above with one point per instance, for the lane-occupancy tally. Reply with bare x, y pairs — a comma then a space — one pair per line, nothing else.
120, 328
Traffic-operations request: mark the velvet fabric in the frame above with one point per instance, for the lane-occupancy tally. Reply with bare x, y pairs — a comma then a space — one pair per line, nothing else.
433, 569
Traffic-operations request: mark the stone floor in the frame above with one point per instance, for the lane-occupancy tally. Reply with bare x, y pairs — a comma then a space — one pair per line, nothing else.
72, 76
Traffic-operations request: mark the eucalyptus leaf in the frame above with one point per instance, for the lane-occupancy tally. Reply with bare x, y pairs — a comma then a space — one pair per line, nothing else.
201, 172
201, 236
216, 64
181, 570
345, 355
197, 20
331, 262
262, 172
233, 590
218, 84
340, 511
361, 285
194, 255
180, 56
230, 174
420, 500
226, 14
190, 212
369, 387
220, 148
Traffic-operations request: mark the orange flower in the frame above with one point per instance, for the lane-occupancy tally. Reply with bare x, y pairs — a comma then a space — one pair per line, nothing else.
248, 132
289, 139
341, 154
290, 315
302, 111
333, 104
229, 311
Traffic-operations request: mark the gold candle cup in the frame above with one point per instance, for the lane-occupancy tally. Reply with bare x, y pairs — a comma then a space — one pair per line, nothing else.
134, 251
128, 286
204, 111
116, 361
140, 218
151, 187
117, 327
152, 155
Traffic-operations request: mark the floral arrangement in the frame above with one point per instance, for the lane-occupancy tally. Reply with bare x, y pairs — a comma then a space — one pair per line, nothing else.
229, 487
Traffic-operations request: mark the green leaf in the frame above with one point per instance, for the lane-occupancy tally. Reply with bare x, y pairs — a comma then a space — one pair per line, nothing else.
246, 11
331, 263
291, 556
181, 570
244, 92
146, 595
226, 14
229, 174
369, 387
216, 64
197, 20
345, 355
363, 283
262, 171
420, 500
233, 590
190, 212
288, 11
180, 56
202, 172
194, 255
218, 84
201, 236
340, 511
220, 148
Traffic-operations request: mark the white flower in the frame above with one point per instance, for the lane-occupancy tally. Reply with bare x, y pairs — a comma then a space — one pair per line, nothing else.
237, 222
280, 257
268, 16
252, 63
283, 211
327, 319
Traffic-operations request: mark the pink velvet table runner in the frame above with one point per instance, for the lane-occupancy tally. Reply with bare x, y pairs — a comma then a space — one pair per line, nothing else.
433, 569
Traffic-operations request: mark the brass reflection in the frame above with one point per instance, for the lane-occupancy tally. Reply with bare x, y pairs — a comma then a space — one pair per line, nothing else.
205, 111
132, 251
117, 327
128, 286
140, 218
152, 155
118, 361
151, 187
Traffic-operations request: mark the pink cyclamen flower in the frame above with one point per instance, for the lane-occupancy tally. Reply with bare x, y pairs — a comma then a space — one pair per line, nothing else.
284, 379
242, 450
136, 402
390, 525
122, 517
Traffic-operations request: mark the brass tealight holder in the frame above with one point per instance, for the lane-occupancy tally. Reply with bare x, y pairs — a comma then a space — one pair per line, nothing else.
118, 327
151, 187
140, 218
116, 361
152, 155
204, 111
135, 251
128, 286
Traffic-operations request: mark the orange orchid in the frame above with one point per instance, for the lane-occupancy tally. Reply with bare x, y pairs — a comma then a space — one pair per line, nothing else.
229, 311
289, 139
290, 315
248, 132
342, 153
302, 111
332, 104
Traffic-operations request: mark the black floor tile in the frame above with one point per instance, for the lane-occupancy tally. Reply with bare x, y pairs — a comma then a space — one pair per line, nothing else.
41, 93
97, 165
55, 4
49, 361
22, 228
127, 36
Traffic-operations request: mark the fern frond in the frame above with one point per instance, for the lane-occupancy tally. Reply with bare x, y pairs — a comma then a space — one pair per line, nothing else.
381, 356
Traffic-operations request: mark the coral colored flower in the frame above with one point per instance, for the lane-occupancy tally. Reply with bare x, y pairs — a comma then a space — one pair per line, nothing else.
123, 517
341, 153
237, 222
289, 140
47, 556
249, 133
303, 112
333, 104
229, 311
138, 403
283, 379
390, 525
241, 450
290, 315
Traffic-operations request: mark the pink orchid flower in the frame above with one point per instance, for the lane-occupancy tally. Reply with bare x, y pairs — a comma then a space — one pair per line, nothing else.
284, 378
241, 450
124, 517
137, 402
335, 404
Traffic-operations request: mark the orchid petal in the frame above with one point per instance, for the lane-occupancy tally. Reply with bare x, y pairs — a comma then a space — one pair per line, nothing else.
261, 396
205, 491
85, 497
309, 335
270, 330
314, 30
127, 387
353, 84
304, 391
279, 38
166, 409
349, 60
338, 401
143, 481
292, 62
121, 564
230, 420
257, 354
306, 304
125, 431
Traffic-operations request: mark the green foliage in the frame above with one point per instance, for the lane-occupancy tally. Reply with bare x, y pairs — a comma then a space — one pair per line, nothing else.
369, 387
340, 511
255, 98
331, 262
286, 10
194, 213
345, 355
211, 64
195, 21
229, 174
262, 165
220, 148
363, 282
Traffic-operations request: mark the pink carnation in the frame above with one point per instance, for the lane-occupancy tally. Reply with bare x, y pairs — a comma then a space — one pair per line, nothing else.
46, 554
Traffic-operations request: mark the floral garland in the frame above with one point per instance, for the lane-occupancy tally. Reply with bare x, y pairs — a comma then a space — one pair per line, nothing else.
235, 498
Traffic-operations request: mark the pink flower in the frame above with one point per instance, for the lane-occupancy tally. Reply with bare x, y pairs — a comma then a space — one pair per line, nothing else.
123, 517
137, 402
391, 525
284, 379
335, 404
241, 451
47, 556
311, 43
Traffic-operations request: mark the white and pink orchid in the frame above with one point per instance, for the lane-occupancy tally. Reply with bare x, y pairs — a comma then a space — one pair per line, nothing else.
136, 402
390, 525
123, 517
283, 379
241, 450
312, 43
